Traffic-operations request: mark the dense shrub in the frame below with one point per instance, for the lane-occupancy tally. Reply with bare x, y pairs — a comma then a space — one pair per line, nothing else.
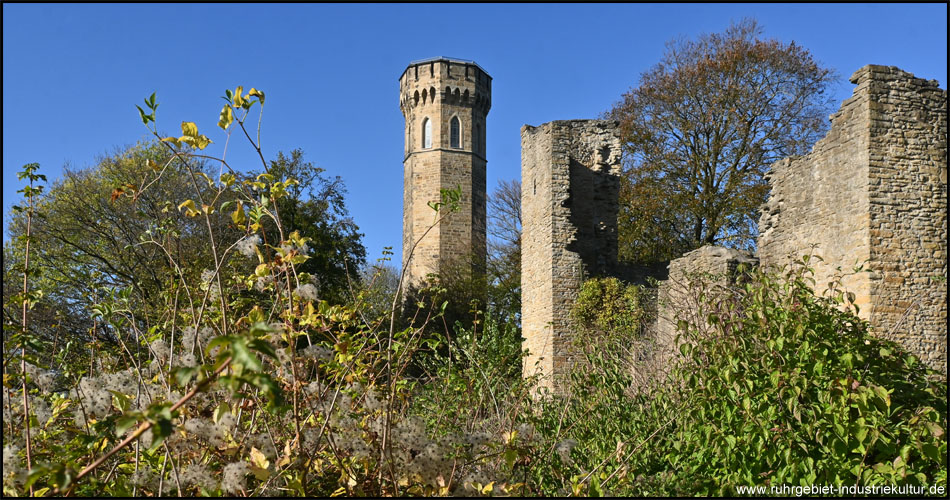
777, 387
609, 306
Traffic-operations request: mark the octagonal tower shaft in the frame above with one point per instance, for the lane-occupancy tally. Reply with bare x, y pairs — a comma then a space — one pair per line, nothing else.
444, 102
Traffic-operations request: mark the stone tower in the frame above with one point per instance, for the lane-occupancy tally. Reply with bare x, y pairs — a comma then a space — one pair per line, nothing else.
444, 102
570, 175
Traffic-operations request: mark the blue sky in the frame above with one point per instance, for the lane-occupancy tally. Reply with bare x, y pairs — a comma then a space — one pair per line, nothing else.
73, 73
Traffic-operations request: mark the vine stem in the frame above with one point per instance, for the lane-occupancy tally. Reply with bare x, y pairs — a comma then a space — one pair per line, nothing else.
26, 302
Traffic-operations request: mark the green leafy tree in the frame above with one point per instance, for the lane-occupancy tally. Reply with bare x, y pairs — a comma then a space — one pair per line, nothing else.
701, 129
92, 231
316, 208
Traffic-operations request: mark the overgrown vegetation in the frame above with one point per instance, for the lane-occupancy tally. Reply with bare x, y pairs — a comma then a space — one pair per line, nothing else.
774, 385
239, 376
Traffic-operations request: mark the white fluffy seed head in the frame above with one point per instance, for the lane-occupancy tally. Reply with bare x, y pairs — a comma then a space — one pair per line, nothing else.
159, 349
564, 450
232, 480
199, 475
207, 275
317, 352
306, 292
145, 478
248, 245
13, 472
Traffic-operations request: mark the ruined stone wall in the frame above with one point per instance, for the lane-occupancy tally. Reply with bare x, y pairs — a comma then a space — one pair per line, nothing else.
440, 90
718, 267
908, 225
570, 186
874, 192
821, 199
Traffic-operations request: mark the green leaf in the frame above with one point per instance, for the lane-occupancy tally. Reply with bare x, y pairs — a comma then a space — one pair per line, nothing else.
121, 400
268, 387
847, 358
142, 115
243, 356
861, 433
221, 340
932, 452
124, 423
511, 455
263, 347
595, 487
184, 374
161, 429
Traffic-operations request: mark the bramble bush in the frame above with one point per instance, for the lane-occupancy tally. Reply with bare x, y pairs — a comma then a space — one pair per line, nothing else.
249, 383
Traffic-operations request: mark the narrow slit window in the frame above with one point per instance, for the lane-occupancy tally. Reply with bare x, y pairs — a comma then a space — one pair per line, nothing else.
426, 133
455, 132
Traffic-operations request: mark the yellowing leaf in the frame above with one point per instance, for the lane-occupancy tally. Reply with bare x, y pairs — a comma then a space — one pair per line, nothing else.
258, 458
286, 458
189, 129
226, 117
238, 100
259, 472
199, 141
258, 93
189, 205
261, 270
174, 140
202, 142
238, 215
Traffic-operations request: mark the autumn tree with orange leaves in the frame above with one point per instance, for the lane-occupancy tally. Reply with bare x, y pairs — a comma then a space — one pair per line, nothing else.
700, 132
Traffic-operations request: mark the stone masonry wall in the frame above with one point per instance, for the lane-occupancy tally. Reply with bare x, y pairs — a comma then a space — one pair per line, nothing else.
657, 350
570, 185
874, 192
908, 198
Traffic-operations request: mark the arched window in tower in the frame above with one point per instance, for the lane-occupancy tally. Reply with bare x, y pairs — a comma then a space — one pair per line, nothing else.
426, 133
455, 132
